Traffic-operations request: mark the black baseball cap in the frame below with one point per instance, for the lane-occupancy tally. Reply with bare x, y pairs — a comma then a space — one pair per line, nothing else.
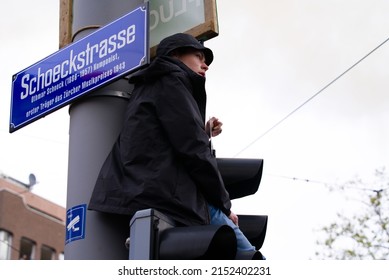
183, 40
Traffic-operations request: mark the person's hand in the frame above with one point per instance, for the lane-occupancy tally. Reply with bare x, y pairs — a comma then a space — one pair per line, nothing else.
213, 126
234, 218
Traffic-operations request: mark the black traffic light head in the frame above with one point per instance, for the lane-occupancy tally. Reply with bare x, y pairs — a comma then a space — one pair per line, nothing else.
241, 176
254, 228
212, 242
154, 235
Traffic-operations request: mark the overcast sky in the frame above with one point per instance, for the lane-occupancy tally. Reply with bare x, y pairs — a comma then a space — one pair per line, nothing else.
270, 58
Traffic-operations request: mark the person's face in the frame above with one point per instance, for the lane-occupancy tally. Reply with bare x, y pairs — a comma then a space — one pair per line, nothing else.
195, 60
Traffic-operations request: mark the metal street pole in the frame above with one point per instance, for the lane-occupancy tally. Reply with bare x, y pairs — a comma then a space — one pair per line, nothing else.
95, 122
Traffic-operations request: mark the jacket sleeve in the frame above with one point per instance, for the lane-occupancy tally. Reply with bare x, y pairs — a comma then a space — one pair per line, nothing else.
182, 121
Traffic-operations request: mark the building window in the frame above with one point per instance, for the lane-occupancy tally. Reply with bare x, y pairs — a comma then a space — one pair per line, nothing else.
27, 249
5, 245
47, 253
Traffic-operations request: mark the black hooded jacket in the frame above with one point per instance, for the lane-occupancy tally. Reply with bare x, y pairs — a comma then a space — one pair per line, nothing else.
162, 159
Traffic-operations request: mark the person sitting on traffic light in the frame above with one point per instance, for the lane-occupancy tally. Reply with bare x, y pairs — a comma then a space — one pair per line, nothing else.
162, 158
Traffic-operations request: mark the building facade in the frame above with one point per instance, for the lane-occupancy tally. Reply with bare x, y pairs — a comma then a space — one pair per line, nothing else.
31, 227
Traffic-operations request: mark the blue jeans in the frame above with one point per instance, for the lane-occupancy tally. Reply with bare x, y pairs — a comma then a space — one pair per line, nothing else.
219, 218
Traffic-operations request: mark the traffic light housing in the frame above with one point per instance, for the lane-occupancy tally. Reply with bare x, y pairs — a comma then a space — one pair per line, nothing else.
211, 242
241, 176
154, 235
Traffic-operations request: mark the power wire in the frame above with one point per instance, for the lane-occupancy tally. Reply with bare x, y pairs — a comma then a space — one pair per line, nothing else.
377, 191
296, 179
312, 97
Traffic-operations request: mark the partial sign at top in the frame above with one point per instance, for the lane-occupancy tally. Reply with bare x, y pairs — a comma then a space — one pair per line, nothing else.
195, 17
109, 53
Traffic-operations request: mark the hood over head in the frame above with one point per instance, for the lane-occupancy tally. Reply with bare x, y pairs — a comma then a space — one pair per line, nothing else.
182, 40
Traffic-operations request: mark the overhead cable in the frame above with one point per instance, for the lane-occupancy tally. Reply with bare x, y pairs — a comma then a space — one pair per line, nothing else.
312, 97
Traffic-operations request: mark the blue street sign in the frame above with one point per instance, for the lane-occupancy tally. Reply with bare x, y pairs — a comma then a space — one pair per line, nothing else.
75, 223
102, 57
